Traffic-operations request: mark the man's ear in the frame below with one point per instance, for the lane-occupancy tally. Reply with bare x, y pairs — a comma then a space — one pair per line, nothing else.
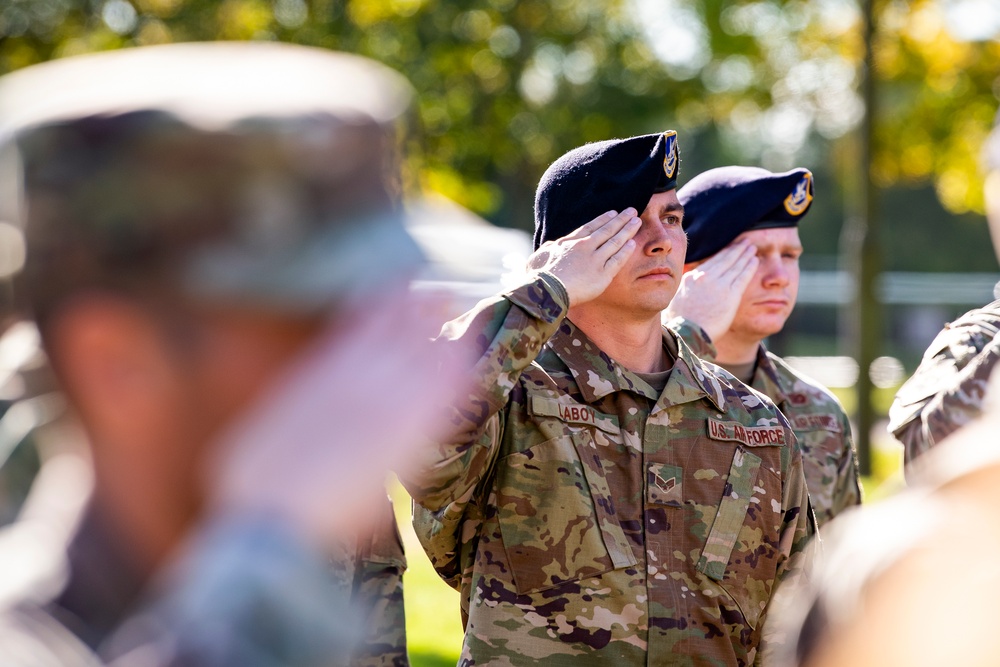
111, 359
691, 265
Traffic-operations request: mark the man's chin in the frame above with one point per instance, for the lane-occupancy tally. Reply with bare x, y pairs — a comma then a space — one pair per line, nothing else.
766, 327
656, 302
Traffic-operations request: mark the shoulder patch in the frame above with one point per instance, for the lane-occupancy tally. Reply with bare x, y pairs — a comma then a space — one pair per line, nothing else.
671, 158
751, 436
797, 202
798, 399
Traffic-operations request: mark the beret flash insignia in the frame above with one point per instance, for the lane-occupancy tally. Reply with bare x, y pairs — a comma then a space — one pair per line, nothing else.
798, 201
670, 158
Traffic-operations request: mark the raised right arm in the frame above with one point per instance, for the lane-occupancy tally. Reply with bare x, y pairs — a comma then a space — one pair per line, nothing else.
504, 334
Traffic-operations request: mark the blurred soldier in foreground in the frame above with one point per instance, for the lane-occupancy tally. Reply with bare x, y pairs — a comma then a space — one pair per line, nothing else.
946, 391
739, 287
207, 231
607, 497
913, 580
885, 591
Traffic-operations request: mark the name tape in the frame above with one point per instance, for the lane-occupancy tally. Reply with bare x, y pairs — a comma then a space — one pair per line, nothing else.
816, 423
578, 414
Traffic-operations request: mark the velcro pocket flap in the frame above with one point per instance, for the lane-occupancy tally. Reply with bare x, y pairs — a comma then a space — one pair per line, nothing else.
731, 515
607, 519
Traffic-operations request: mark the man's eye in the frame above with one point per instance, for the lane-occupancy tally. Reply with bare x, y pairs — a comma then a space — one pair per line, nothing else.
671, 220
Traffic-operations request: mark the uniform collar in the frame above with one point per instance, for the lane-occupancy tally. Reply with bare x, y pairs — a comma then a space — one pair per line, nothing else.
598, 375
767, 378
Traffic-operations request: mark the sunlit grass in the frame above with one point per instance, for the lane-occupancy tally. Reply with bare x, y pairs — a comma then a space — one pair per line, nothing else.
433, 621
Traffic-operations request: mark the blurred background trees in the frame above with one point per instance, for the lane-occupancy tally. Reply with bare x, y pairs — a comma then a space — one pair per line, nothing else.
506, 86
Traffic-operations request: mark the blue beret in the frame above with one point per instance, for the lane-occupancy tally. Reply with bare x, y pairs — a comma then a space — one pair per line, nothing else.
603, 176
720, 204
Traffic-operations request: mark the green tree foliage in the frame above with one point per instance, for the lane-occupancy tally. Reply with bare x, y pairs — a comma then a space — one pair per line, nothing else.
505, 86
938, 99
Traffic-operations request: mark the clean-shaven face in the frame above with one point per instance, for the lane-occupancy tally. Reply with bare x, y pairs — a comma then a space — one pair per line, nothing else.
770, 297
650, 277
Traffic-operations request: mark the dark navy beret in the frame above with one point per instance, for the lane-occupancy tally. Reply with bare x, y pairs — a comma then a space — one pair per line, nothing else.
720, 204
603, 176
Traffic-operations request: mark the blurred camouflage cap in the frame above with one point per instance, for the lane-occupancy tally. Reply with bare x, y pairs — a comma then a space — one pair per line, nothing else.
259, 173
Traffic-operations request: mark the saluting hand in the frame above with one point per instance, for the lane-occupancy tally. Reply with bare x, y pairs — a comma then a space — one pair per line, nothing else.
315, 448
709, 295
587, 260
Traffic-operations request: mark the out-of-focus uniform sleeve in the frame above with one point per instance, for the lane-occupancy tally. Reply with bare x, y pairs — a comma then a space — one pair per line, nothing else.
946, 391
694, 336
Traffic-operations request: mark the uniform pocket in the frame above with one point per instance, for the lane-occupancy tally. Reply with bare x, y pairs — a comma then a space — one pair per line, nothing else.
740, 551
555, 513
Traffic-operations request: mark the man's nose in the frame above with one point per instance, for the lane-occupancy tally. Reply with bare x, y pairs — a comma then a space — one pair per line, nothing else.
656, 240
775, 271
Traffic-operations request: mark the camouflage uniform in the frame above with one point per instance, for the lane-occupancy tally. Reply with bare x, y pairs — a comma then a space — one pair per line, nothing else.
946, 391
375, 573
586, 518
820, 424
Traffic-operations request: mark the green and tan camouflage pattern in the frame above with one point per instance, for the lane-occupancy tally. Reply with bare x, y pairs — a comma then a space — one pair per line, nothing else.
947, 389
821, 426
574, 504
367, 570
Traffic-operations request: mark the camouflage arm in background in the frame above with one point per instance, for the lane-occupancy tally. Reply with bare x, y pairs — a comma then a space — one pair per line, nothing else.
694, 336
946, 391
847, 490
376, 593
507, 331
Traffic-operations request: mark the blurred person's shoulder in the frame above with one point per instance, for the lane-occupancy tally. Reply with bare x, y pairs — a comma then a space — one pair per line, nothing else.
954, 348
